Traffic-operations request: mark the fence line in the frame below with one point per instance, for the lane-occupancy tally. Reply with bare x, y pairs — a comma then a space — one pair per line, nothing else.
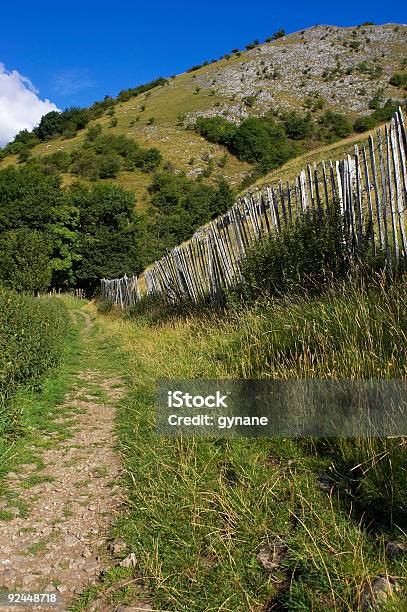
370, 187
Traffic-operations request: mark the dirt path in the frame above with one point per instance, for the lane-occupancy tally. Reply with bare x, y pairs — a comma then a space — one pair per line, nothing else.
60, 545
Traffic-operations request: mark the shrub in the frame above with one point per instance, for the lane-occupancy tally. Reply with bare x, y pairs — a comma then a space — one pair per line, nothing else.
59, 161
93, 132
377, 100
55, 123
126, 94
249, 101
399, 80
314, 102
69, 132
380, 115
279, 34
216, 129
148, 160
362, 124
25, 260
109, 165
223, 161
24, 140
256, 140
300, 258
334, 126
32, 331
85, 164
297, 127
253, 44
24, 155
181, 206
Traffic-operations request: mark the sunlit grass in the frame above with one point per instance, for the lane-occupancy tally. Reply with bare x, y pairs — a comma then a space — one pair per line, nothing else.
200, 511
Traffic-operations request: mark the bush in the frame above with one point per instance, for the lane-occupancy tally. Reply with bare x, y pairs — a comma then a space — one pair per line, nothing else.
32, 331
297, 127
106, 155
126, 94
93, 132
279, 34
253, 44
59, 161
54, 124
301, 258
181, 206
255, 139
24, 155
362, 124
399, 80
109, 166
380, 115
216, 129
86, 164
334, 126
25, 260
148, 160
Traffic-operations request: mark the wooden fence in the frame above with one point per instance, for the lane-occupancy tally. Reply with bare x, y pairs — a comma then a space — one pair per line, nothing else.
370, 187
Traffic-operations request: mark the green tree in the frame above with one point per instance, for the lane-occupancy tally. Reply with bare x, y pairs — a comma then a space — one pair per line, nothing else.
50, 125
106, 233
25, 260
93, 132
109, 165
31, 198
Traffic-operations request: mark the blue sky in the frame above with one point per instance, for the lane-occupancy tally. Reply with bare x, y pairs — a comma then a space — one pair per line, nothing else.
75, 52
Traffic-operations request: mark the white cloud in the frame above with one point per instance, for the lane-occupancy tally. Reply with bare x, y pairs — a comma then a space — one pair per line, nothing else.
20, 106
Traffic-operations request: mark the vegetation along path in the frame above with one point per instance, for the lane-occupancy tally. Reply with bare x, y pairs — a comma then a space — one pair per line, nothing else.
61, 505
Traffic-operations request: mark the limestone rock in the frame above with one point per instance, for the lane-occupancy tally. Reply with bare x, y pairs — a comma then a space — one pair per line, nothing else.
377, 592
129, 561
117, 547
273, 554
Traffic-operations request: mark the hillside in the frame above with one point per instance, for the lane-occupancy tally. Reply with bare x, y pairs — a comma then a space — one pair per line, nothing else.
324, 67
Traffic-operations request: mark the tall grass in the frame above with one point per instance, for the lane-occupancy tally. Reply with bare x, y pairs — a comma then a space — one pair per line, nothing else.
201, 510
310, 306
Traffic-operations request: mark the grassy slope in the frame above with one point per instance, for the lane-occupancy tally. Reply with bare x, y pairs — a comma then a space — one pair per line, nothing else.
199, 511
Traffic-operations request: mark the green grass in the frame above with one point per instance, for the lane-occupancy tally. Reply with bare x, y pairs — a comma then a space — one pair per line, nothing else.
33, 480
199, 511
37, 547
